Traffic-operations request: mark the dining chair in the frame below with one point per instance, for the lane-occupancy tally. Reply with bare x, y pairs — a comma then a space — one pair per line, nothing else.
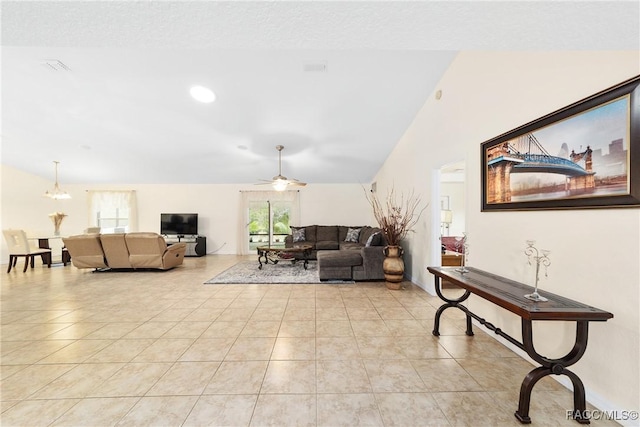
19, 246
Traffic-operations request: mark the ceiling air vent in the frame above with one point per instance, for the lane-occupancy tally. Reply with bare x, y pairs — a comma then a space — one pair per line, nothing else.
55, 65
315, 67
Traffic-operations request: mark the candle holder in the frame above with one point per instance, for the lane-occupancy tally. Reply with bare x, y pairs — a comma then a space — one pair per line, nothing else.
462, 247
539, 258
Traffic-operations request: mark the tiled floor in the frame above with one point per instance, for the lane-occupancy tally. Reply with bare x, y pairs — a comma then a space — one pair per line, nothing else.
162, 349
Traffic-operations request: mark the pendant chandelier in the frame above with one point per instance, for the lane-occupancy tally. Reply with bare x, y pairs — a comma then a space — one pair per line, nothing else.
57, 192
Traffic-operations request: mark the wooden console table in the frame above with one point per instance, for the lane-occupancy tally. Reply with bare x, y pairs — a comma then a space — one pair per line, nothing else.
509, 295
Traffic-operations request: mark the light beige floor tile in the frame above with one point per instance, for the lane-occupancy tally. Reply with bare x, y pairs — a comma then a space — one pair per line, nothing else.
285, 410
203, 315
76, 331
299, 314
376, 347
207, 349
421, 347
220, 329
348, 410
222, 410
261, 328
184, 378
466, 408
36, 412
331, 313
133, 379
358, 313
7, 370
286, 377
77, 352
78, 382
150, 330
237, 378
112, 331
267, 314
29, 380
235, 315
411, 409
393, 354
447, 375
393, 376
333, 328
164, 350
187, 330
31, 331
96, 412
336, 348
375, 328
297, 328
34, 352
159, 411
342, 376
121, 351
294, 349
246, 348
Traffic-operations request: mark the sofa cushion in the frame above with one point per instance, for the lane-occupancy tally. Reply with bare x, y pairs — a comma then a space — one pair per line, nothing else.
327, 233
338, 259
352, 235
350, 246
310, 233
375, 239
327, 245
298, 234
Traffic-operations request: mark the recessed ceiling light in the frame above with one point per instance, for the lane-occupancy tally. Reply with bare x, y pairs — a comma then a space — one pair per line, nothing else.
202, 94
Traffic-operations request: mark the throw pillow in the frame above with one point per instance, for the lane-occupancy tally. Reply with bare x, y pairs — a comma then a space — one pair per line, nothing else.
371, 238
298, 234
352, 235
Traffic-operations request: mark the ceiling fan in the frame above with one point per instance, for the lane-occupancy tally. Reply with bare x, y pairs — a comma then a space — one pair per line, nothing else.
279, 182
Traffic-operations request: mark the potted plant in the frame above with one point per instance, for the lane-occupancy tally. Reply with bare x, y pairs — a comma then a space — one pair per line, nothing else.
396, 216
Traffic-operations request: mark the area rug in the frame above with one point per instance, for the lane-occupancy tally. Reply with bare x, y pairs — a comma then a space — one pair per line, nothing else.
247, 272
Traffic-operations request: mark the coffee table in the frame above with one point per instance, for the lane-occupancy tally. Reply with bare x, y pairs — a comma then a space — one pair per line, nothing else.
283, 254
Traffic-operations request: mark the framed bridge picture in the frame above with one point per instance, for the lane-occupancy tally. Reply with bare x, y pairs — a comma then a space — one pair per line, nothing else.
586, 155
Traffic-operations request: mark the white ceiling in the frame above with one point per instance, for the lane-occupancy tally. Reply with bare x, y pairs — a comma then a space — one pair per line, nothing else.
123, 114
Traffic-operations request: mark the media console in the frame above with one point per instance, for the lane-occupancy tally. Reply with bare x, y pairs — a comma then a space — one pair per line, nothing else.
196, 245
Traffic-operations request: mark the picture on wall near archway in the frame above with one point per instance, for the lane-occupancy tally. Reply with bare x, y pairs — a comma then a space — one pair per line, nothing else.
586, 155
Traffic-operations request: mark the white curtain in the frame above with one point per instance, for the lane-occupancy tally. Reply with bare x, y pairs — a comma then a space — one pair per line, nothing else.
100, 200
248, 197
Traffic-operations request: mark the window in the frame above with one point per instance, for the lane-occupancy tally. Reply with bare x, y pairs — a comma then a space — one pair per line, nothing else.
113, 211
268, 216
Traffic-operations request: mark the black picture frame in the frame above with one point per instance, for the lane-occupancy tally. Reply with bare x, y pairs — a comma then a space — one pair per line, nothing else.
597, 141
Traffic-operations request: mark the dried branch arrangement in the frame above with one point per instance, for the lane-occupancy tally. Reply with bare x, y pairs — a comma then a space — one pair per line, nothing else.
397, 215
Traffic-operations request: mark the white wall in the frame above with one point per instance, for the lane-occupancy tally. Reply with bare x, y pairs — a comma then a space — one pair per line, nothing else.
218, 206
595, 253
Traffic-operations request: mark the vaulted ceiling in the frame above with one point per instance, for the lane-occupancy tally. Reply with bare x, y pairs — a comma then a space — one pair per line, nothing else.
103, 87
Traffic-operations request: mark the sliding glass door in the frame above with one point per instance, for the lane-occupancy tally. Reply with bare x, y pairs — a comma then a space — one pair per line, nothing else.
269, 223
268, 217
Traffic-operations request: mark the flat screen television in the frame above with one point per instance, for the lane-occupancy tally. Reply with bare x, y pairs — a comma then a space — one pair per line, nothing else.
181, 224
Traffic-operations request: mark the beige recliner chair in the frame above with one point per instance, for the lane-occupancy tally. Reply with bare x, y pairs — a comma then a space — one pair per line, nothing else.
149, 250
85, 250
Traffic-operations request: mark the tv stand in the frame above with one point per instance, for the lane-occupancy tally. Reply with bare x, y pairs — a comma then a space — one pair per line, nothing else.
196, 245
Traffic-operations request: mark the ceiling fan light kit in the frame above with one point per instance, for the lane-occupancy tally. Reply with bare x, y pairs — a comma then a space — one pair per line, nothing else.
280, 182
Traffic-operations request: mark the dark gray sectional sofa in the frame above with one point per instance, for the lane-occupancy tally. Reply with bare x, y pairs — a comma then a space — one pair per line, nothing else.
339, 259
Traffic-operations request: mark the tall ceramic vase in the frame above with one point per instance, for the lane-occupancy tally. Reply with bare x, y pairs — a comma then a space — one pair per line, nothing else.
393, 267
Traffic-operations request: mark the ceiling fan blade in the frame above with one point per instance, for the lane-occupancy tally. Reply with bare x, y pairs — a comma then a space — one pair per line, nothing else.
280, 179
